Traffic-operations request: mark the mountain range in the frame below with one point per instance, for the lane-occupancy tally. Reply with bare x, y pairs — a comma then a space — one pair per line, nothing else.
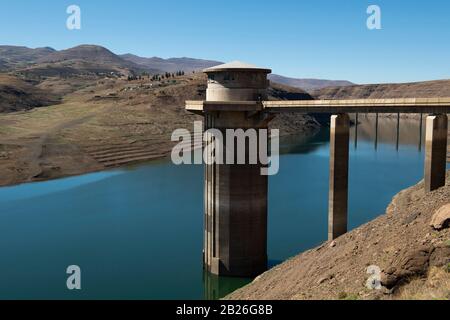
93, 59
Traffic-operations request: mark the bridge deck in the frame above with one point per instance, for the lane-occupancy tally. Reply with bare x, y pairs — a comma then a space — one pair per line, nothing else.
403, 105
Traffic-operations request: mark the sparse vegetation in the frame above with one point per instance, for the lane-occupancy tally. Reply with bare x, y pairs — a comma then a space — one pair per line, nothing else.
436, 286
347, 296
447, 268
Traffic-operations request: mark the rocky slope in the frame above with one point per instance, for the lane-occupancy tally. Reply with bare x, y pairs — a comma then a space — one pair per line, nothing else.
414, 258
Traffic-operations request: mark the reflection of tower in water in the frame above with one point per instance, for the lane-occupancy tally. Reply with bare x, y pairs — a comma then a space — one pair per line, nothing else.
356, 130
398, 131
420, 132
376, 132
216, 287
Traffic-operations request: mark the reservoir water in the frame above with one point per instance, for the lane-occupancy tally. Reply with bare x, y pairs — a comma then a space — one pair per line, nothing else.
136, 233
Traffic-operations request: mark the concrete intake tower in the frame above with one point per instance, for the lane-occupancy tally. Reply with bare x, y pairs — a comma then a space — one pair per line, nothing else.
235, 239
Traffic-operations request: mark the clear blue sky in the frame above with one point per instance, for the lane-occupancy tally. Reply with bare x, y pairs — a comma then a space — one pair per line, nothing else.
307, 39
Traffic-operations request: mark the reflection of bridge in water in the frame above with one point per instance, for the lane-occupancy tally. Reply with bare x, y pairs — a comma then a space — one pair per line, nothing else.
235, 224
390, 129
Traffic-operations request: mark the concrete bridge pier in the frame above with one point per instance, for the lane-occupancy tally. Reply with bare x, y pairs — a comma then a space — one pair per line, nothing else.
435, 151
338, 187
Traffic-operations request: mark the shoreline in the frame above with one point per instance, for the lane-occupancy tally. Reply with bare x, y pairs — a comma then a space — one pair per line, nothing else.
81, 173
337, 270
159, 150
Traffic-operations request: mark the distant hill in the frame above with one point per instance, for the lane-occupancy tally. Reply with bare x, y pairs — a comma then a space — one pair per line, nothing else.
90, 58
96, 55
308, 84
14, 56
278, 91
172, 64
80, 60
89, 53
426, 89
85, 60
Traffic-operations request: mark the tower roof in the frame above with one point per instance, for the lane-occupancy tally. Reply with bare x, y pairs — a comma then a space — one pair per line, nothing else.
237, 66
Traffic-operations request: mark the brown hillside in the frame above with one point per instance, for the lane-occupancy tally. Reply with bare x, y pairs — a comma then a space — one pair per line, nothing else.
427, 89
93, 55
16, 95
16, 56
108, 123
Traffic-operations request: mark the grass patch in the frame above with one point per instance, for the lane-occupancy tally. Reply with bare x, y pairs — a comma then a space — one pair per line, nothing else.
447, 268
347, 296
447, 243
436, 286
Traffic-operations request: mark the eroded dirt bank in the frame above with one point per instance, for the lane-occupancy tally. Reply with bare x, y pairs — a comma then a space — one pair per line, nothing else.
413, 257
